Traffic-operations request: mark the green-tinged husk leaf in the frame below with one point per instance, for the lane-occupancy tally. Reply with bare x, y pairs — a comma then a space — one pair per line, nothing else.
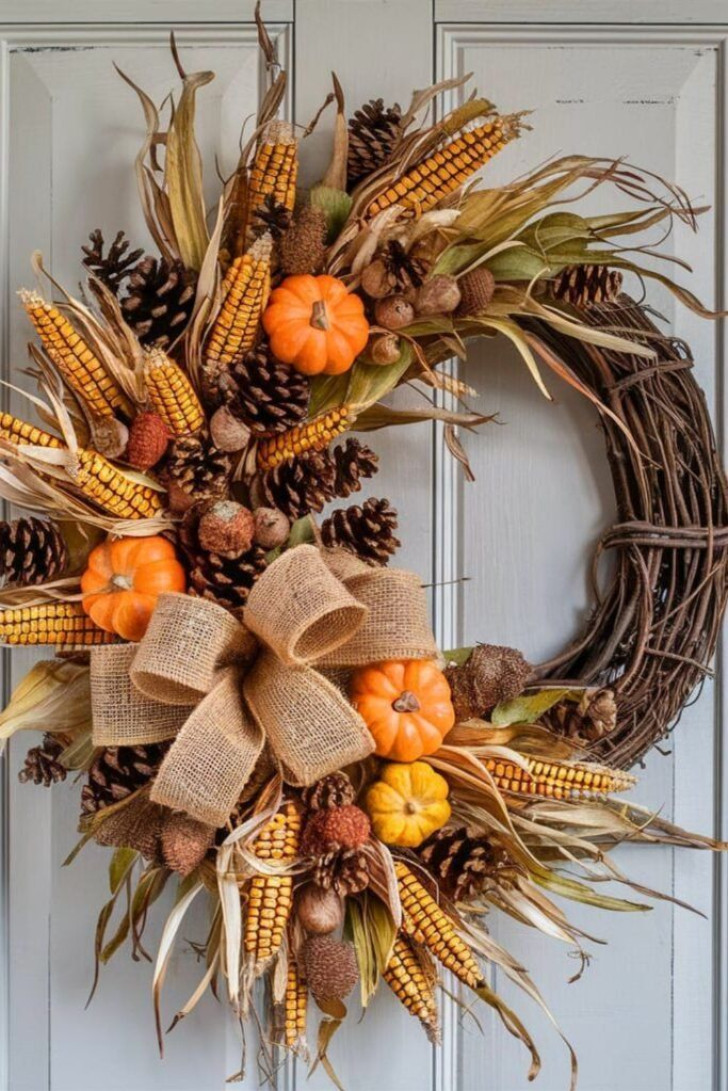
373, 932
183, 175
54, 695
335, 205
528, 708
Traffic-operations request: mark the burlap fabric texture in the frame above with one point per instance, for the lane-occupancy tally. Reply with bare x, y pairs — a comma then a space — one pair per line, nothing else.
223, 689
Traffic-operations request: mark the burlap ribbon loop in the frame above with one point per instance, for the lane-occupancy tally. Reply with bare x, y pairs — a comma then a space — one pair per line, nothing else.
315, 613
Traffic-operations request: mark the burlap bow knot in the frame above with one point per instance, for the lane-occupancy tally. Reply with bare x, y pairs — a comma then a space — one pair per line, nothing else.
222, 689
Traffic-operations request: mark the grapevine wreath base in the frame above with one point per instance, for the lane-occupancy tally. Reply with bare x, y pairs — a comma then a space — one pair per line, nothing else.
254, 699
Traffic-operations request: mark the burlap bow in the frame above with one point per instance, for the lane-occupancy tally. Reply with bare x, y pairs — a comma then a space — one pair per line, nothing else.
223, 689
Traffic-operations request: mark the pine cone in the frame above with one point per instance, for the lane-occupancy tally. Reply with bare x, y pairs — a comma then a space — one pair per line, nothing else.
198, 468
159, 301
588, 721
271, 218
373, 133
31, 551
463, 865
584, 285
335, 790
42, 765
111, 268
491, 674
225, 580
345, 872
117, 771
302, 248
367, 531
301, 484
353, 461
268, 395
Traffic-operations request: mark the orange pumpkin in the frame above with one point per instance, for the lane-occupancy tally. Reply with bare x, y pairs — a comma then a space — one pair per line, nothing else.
406, 705
315, 325
123, 580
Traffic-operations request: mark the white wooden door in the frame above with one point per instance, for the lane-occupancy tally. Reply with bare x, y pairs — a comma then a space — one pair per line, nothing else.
650, 1013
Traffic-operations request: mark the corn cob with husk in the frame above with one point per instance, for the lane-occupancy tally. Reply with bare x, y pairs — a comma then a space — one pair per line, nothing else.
90, 472
427, 923
60, 623
270, 897
557, 780
295, 1009
408, 981
245, 293
171, 394
313, 435
428, 183
274, 171
74, 360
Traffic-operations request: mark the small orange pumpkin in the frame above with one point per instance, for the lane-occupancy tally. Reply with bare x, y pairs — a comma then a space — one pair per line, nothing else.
123, 580
406, 705
315, 324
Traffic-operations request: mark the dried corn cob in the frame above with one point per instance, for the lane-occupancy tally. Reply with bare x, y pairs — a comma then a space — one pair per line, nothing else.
314, 435
54, 623
270, 897
557, 780
93, 474
73, 358
295, 1008
426, 184
426, 923
172, 394
246, 288
409, 983
275, 168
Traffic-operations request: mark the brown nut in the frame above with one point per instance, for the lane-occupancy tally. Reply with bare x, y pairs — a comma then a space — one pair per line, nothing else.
438, 295
386, 349
394, 312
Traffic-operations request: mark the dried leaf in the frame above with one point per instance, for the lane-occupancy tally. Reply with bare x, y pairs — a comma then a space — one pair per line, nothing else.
183, 176
55, 694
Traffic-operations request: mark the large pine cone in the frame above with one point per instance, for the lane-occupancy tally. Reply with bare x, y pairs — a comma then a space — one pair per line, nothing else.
367, 531
198, 468
117, 771
353, 461
114, 267
373, 132
464, 866
31, 551
160, 300
268, 395
224, 580
300, 485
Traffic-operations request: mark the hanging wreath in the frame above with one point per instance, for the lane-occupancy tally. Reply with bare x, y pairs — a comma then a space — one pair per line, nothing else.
255, 698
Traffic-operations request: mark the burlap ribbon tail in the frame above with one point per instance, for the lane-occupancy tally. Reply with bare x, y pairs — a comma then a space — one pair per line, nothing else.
222, 690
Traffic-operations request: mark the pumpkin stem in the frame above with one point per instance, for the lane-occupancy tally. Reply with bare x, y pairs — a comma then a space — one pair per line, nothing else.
319, 317
119, 582
406, 702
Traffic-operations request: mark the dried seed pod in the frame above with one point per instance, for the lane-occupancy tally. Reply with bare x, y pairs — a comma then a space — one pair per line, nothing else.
476, 291
272, 527
386, 349
228, 433
148, 440
345, 827
438, 295
376, 280
110, 436
491, 674
319, 911
331, 968
185, 842
394, 312
226, 528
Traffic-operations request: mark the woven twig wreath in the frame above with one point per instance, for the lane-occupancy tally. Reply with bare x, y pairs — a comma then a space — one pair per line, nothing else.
652, 634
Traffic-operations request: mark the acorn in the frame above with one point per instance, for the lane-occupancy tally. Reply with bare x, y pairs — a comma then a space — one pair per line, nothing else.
386, 349
227, 432
271, 528
319, 911
148, 440
394, 312
226, 528
376, 280
438, 295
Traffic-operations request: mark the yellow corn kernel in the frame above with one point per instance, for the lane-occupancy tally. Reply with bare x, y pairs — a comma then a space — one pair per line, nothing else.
270, 897
295, 1009
427, 923
171, 394
557, 780
74, 360
246, 288
426, 184
61, 623
407, 980
313, 435
275, 168
23, 434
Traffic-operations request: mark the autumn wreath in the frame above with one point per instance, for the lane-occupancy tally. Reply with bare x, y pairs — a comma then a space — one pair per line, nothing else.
255, 699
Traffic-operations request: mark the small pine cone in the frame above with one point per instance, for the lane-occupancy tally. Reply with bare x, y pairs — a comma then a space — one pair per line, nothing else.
197, 467
302, 248
367, 531
465, 865
476, 292
588, 721
117, 771
185, 842
491, 674
271, 218
345, 872
42, 765
224, 580
335, 828
264, 393
584, 285
31, 551
148, 441
335, 790
160, 298
301, 484
373, 133
113, 267
353, 461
